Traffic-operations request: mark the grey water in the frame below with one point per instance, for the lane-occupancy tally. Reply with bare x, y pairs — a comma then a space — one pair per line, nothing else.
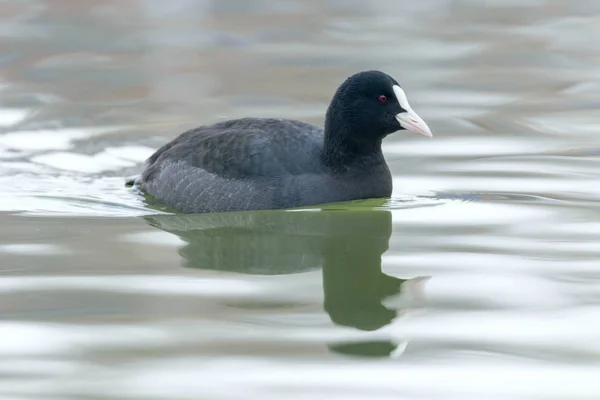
478, 279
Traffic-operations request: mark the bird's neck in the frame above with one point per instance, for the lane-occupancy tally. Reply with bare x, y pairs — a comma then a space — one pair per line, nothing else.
341, 152
348, 143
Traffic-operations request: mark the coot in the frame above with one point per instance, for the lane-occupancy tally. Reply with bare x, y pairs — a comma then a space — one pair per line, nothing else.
267, 163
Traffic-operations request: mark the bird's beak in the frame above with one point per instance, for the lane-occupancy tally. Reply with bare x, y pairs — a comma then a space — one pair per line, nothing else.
409, 119
412, 122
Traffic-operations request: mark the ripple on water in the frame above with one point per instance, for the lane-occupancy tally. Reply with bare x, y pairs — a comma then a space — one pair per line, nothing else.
12, 116
110, 159
50, 139
493, 222
35, 249
142, 284
70, 195
41, 177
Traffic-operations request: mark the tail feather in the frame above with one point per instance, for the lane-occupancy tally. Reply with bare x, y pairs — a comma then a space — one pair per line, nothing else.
132, 180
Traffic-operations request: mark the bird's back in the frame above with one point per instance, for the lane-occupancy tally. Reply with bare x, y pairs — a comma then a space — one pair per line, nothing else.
250, 163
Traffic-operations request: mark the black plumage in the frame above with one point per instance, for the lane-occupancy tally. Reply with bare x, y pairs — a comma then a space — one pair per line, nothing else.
267, 163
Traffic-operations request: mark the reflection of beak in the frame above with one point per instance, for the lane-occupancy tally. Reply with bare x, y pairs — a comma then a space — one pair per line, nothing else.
410, 121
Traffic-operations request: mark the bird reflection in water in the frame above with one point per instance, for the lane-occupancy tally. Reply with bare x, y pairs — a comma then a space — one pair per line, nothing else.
346, 244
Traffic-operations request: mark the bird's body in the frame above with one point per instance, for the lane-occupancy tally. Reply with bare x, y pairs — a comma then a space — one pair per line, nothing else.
266, 163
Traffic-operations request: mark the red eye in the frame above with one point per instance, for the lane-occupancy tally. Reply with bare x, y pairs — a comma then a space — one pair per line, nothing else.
382, 98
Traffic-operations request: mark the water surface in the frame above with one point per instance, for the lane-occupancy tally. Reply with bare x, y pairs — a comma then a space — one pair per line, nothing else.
478, 279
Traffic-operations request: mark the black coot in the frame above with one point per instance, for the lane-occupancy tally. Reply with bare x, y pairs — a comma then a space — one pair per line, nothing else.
263, 163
